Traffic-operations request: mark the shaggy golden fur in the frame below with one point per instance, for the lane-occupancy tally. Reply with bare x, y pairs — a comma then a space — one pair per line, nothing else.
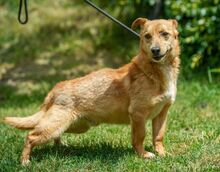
141, 90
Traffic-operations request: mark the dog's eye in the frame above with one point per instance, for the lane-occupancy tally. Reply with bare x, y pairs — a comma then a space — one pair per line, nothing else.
165, 34
147, 36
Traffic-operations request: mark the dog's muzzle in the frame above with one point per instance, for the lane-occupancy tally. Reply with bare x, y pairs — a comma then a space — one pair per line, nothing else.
156, 53
158, 57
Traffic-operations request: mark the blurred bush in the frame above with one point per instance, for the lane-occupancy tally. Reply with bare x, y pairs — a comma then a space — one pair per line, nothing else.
199, 28
199, 25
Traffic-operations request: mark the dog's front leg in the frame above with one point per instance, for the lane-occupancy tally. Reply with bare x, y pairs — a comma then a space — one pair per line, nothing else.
159, 126
138, 135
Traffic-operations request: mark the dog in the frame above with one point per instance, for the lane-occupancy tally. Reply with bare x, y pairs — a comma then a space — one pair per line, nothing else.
141, 90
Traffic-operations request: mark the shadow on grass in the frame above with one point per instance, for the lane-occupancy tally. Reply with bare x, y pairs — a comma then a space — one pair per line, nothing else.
104, 152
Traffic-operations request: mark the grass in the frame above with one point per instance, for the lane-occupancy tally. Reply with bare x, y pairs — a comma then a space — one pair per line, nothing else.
192, 139
61, 42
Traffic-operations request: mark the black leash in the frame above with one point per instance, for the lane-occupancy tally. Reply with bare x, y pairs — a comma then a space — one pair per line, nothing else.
20, 11
112, 18
87, 1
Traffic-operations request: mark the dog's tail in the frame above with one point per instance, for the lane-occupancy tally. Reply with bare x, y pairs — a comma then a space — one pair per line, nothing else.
24, 122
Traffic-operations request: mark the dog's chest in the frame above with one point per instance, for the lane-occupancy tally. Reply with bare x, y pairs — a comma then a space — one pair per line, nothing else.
170, 93
170, 85
167, 96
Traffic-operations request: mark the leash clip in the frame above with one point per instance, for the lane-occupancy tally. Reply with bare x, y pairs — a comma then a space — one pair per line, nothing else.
20, 11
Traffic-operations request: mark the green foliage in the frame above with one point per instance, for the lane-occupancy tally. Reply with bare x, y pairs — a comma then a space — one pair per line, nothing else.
128, 10
199, 29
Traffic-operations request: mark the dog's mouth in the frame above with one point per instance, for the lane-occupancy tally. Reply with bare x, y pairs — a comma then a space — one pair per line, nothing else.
159, 58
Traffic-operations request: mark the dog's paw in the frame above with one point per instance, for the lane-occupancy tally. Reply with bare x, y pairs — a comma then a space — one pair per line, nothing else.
160, 150
161, 153
25, 162
148, 155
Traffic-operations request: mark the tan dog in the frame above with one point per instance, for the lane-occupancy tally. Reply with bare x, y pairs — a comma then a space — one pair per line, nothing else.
141, 90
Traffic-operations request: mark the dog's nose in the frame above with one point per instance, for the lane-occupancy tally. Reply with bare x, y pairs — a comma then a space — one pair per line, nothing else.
155, 51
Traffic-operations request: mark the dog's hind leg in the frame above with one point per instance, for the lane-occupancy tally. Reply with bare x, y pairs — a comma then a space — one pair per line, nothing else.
55, 122
59, 142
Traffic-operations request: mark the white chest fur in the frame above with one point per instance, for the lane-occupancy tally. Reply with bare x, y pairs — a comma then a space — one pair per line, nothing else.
170, 84
168, 95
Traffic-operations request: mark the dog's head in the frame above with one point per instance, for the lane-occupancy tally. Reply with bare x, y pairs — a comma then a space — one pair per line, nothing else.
159, 38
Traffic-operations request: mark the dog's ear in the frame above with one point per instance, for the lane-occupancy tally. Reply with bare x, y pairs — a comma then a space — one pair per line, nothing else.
175, 26
174, 23
138, 22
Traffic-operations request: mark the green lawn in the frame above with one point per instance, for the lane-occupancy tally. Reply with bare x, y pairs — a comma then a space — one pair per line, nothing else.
61, 42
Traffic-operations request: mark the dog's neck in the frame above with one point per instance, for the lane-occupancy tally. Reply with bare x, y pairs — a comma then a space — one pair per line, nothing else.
162, 73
